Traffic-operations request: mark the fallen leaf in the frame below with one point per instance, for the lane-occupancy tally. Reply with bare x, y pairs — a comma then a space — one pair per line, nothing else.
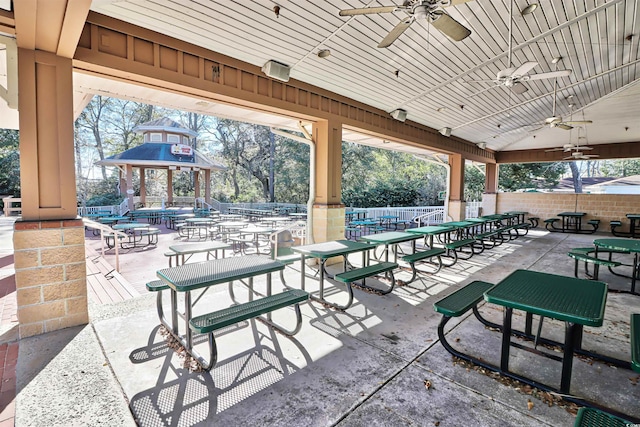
427, 384
529, 404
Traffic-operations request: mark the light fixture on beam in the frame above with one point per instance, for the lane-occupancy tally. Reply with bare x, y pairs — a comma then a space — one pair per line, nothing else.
185, 168
529, 9
172, 168
399, 114
445, 131
482, 145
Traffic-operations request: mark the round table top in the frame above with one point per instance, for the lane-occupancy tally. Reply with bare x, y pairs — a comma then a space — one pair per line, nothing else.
130, 226
632, 245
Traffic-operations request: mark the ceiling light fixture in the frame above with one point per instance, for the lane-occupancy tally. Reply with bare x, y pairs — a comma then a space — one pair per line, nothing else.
556, 59
441, 109
529, 9
399, 114
445, 131
482, 145
324, 53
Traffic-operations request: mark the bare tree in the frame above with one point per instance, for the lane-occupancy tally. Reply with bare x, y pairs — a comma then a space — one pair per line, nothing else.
90, 120
575, 174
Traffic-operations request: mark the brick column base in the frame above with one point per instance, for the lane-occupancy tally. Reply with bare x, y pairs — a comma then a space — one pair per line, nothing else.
489, 203
328, 225
51, 275
457, 210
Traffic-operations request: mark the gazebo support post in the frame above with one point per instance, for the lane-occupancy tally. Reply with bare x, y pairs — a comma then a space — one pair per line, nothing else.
129, 173
196, 183
170, 187
207, 186
143, 188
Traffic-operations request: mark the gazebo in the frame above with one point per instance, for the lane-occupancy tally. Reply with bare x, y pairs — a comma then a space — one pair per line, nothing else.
167, 145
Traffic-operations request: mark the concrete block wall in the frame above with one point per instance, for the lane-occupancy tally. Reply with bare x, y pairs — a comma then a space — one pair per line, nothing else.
605, 207
51, 282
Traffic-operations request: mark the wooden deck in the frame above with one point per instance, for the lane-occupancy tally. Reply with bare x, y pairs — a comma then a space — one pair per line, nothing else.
104, 284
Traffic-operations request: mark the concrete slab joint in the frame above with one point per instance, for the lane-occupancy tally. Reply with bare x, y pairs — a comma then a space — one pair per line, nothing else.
51, 288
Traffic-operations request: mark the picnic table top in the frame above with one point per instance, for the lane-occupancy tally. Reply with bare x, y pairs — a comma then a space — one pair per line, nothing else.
633, 216
431, 229
459, 224
390, 237
572, 214
330, 249
622, 244
189, 277
130, 226
194, 248
564, 298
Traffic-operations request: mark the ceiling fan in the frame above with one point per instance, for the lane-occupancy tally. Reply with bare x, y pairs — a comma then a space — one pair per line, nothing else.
513, 77
579, 155
429, 10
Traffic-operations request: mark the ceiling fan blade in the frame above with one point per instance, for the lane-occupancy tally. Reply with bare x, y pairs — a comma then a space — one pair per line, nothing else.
583, 148
554, 149
456, 2
449, 26
549, 75
578, 122
562, 126
368, 10
524, 68
395, 33
519, 88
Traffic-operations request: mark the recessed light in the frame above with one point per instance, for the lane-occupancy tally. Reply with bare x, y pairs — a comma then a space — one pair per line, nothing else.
529, 9
202, 103
441, 109
324, 53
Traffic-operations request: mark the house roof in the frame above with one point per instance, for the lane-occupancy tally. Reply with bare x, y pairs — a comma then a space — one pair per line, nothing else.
159, 156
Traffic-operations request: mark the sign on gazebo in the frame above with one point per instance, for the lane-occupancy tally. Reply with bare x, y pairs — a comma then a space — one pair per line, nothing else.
181, 150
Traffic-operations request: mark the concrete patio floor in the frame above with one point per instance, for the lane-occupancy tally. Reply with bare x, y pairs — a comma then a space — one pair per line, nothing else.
364, 366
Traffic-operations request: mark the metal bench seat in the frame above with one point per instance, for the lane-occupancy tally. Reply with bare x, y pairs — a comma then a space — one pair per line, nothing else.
592, 417
210, 322
459, 302
349, 277
424, 256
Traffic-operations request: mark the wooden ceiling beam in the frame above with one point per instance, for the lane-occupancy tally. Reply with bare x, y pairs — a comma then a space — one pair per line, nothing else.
625, 150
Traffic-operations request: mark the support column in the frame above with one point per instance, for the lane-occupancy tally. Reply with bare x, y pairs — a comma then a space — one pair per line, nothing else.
207, 186
328, 211
490, 195
196, 183
143, 187
457, 204
129, 173
170, 187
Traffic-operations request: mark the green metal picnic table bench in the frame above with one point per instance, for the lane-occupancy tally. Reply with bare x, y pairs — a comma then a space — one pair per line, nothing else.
351, 276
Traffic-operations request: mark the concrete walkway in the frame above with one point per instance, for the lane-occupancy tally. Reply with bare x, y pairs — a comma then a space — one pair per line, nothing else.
364, 366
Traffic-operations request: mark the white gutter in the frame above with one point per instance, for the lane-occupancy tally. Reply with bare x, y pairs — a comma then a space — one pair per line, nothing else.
438, 161
308, 140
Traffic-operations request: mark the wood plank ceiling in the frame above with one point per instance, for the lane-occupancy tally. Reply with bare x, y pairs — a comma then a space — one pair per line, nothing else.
426, 73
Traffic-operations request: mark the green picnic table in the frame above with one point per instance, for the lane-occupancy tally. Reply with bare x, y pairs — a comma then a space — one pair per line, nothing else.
391, 238
577, 302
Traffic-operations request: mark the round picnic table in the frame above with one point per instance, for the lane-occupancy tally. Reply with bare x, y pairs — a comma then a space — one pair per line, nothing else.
627, 245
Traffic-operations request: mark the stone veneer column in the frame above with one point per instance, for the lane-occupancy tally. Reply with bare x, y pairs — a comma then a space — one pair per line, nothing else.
489, 203
51, 281
328, 222
457, 209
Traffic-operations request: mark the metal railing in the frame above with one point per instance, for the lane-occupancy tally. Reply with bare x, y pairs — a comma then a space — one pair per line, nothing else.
106, 229
84, 210
9, 209
403, 213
